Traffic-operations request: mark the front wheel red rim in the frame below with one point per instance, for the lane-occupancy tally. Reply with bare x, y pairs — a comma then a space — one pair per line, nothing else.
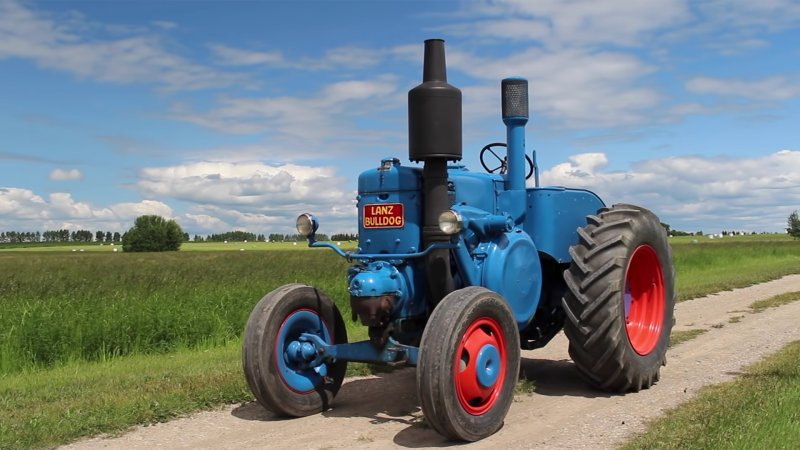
480, 366
644, 300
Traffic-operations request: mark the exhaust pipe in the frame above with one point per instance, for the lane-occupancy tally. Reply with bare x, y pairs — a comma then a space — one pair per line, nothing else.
434, 137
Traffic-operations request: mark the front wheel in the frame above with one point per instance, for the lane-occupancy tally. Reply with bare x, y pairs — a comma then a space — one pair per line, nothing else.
468, 364
278, 365
620, 299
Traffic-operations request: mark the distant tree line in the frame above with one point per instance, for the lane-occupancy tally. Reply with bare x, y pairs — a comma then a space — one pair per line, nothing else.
344, 237
60, 236
233, 236
278, 237
115, 237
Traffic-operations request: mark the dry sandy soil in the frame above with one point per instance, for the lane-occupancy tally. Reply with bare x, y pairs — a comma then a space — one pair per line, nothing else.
382, 411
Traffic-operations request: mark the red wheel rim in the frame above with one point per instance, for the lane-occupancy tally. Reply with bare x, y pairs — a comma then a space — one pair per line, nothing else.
644, 300
480, 366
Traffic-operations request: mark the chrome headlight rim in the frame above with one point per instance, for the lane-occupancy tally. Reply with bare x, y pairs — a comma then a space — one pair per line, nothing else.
450, 222
306, 224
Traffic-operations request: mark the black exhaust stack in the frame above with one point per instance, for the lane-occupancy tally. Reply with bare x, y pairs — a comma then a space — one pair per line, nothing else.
434, 137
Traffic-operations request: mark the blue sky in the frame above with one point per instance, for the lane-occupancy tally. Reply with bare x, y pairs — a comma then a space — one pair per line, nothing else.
239, 115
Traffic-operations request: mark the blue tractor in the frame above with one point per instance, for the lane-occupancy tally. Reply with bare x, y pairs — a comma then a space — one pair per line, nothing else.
456, 271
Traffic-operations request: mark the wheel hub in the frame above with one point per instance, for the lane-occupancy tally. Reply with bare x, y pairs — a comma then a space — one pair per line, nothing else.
488, 365
294, 362
644, 300
480, 366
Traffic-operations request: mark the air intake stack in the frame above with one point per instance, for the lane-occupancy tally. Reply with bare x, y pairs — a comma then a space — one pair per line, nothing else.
434, 137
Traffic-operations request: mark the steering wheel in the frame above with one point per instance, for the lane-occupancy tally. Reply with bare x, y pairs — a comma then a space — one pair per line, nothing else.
503, 167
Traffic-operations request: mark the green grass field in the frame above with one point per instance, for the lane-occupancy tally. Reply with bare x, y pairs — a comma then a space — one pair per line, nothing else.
68, 315
760, 410
67, 307
62, 306
708, 267
185, 247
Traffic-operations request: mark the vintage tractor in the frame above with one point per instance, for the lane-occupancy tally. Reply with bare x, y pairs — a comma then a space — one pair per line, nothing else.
456, 271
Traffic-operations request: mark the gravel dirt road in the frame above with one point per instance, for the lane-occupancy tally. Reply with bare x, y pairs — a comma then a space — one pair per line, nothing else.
382, 411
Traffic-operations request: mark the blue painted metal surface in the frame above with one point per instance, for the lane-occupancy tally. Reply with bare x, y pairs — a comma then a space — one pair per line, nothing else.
505, 230
391, 184
296, 360
475, 189
511, 267
488, 365
403, 281
555, 214
392, 353
380, 256
515, 132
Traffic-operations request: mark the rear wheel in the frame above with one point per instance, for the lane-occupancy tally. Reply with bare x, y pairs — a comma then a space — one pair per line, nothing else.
278, 364
620, 299
468, 364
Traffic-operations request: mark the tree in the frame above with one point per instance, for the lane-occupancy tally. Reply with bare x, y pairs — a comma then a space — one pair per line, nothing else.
794, 225
99, 236
152, 234
108, 236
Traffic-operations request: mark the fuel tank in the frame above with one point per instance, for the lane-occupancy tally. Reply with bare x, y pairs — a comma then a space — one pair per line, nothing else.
390, 209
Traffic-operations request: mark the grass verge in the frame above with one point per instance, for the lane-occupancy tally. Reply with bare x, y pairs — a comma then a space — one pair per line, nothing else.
679, 337
45, 408
758, 410
775, 301
706, 268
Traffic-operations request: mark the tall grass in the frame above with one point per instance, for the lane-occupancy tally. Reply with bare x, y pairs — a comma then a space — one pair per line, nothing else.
61, 307
65, 307
709, 267
756, 411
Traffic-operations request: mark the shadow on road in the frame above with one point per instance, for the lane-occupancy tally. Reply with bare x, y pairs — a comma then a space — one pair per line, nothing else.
392, 398
557, 378
254, 411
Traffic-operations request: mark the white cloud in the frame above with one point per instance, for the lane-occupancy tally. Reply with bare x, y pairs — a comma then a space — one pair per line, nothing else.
573, 88
302, 127
558, 23
690, 192
744, 15
349, 57
593, 64
772, 88
241, 57
252, 183
21, 204
56, 43
252, 195
66, 174
164, 24
22, 210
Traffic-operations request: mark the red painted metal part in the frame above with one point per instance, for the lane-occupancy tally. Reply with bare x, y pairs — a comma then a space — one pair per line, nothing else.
644, 283
475, 398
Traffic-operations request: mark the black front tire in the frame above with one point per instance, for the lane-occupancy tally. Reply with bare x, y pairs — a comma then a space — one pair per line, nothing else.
277, 319
620, 299
472, 330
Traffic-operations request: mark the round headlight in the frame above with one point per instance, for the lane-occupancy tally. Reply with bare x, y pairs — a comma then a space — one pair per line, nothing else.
450, 222
306, 224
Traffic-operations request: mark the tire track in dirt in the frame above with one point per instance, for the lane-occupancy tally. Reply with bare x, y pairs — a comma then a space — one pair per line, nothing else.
382, 411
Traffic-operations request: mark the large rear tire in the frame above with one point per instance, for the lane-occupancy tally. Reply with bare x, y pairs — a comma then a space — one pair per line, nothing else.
620, 299
468, 364
283, 384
